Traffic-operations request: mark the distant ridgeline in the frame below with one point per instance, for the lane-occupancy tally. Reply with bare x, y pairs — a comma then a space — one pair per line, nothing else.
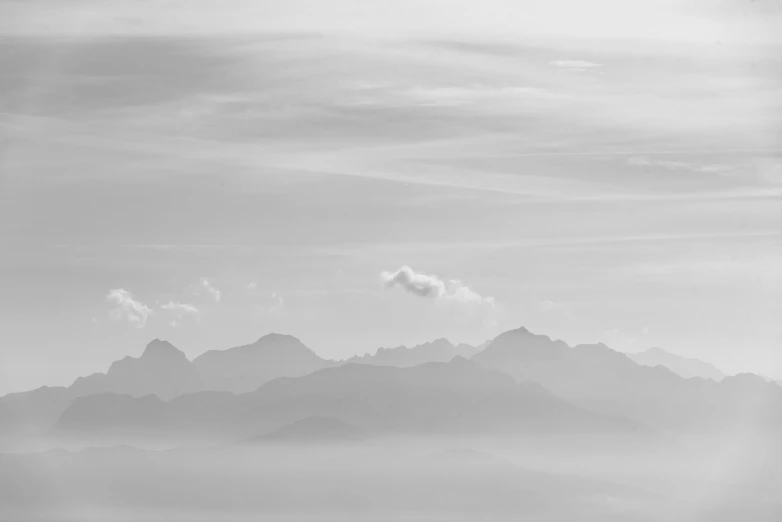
278, 389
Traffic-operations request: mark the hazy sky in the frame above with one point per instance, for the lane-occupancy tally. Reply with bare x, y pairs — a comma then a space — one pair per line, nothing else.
208, 172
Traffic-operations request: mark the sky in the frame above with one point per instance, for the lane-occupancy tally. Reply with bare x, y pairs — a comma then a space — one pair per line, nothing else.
372, 173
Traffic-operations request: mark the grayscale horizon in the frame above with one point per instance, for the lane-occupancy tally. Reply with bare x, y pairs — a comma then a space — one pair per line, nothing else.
390, 260
209, 172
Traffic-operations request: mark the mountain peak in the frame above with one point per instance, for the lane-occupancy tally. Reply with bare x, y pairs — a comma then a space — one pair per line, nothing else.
682, 366
521, 344
277, 337
158, 349
518, 332
461, 362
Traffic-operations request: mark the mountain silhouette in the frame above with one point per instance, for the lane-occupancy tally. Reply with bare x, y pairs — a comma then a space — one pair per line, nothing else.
245, 368
113, 412
681, 366
161, 370
440, 350
27, 414
519, 382
164, 371
603, 380
459, 396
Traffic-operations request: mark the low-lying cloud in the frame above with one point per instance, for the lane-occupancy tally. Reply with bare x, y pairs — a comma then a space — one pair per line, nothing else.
134, 311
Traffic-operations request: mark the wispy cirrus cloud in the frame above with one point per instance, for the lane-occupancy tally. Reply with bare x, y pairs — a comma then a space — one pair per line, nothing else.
463, 95
642, 161
134, 311
575, 64
763, 270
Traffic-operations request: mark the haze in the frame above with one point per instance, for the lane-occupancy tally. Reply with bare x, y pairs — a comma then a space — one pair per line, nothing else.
395, 244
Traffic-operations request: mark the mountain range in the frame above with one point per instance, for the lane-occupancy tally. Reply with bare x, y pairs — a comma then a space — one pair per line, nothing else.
164, 371
683, 366
440, 350
433, 398
603, 380
519, 381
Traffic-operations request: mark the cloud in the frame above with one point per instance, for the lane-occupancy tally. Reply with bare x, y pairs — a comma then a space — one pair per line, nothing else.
205, 286
547, 306
421, 285
431, 286
575, 64
134, 311
640, 161
761, 270
462, 95
278, 302
453, 292
251, 286
181, 310
464, 295
180, 307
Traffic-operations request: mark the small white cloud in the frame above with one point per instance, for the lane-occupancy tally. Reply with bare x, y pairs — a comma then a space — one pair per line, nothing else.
575, 64
547, 306
408, 280
252, 286
645, 330
430, 286
94, 320
181, 310
278, 302
204, 285
134, 311
464, 295
211, 289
